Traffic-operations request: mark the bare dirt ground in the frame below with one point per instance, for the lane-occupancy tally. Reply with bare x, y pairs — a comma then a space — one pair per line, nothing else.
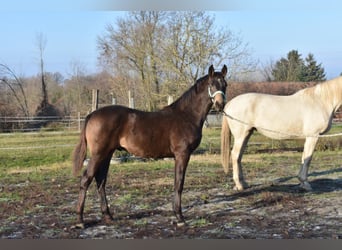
272, 208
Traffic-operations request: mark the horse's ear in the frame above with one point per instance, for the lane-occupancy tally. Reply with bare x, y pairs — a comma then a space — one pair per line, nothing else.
211, 71
224, 70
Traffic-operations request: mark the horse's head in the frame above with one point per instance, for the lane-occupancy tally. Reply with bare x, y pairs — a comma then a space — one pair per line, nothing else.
217, 87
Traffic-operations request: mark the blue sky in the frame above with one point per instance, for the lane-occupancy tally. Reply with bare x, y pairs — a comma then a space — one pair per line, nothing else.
272, 34
70, 37
71, 28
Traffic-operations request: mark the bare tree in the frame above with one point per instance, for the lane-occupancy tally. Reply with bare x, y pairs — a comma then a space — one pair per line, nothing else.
131, 49
41, 43
45, 108
195, 42
266, 71
161, 53
16, 87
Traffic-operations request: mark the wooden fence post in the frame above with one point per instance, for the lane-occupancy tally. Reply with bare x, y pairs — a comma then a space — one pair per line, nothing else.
113, 98
169, 99
95, 100
79, 121
130, 100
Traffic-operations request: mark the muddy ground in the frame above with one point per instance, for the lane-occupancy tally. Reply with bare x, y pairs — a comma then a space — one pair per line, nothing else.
272, 208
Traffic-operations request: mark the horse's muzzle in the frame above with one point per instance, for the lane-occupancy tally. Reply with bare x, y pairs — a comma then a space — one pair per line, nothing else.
219, 101
218, 98
218, 105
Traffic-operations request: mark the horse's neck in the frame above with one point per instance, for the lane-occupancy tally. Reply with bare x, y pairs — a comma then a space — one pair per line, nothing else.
202, 110
194, 105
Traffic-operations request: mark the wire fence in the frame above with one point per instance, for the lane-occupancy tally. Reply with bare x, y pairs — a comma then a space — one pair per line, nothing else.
74, 123
66, 123
41, 123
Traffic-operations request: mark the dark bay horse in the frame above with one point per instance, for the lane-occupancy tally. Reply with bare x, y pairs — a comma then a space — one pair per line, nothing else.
174, 131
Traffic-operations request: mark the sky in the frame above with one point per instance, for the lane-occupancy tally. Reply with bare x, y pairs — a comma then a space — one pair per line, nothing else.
71, 28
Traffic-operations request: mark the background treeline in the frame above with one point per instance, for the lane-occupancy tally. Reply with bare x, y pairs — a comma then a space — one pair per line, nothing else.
152, 54
274, 88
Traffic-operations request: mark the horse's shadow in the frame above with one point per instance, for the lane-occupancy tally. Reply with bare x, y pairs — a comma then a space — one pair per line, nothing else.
319, 186
122, 218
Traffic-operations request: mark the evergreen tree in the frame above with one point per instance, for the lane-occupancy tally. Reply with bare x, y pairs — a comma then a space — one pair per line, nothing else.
280, 70
295, 69
313, 71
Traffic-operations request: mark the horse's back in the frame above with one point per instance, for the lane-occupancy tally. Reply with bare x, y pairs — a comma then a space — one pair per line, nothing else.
251, 104
275, 116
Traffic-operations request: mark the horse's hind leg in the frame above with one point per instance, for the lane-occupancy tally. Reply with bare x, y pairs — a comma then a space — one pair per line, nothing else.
309, 148
101, 179
85, 182
93, 167
237, 152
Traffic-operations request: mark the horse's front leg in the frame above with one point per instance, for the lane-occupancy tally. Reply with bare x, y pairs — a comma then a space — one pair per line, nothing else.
181, 163
309, 148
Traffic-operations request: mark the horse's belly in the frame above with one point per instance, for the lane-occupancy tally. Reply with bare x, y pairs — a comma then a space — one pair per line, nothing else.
145, 148
280, 134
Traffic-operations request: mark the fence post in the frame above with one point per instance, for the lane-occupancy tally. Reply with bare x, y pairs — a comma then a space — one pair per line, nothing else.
95, 100
79, 121
130, 100
113, 98
169, 99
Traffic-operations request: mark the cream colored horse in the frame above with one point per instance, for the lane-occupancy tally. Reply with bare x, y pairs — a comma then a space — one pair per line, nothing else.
306, 114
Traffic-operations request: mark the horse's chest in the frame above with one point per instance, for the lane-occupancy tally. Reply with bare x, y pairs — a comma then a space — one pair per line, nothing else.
187, 140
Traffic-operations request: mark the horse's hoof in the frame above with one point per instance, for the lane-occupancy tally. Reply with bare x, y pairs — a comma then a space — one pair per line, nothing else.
181, 224
178, 222
306, 186
78, 226
107, 217
238, 188
108, 220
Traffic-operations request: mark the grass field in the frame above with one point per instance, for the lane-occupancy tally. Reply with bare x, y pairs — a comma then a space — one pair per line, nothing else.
38, 192
24, 150
28, 155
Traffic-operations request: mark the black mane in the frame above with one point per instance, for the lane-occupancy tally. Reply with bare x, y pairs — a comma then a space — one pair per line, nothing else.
186, 98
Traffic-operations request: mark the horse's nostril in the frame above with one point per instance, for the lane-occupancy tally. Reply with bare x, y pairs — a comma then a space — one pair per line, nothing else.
218, 106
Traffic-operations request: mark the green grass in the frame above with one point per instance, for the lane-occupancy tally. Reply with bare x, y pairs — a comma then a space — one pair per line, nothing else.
200, 222
24, 150
32, 150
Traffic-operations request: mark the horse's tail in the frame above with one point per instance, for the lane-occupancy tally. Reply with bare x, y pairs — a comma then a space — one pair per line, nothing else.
225, 144
80, 151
